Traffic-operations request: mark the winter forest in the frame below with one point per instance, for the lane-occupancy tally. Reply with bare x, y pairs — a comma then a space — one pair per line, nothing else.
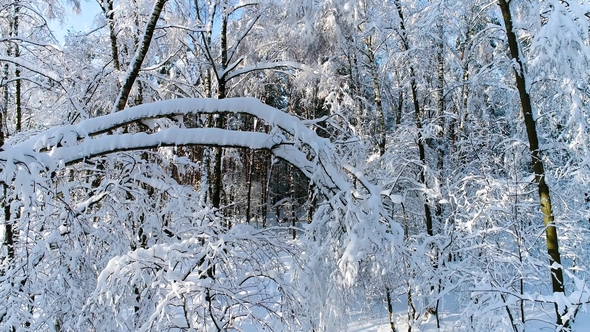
313, 165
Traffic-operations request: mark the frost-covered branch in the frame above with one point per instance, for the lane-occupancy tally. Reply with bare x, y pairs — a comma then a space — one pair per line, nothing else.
264, 66
241, 38
172, 108
93, 147
32, 67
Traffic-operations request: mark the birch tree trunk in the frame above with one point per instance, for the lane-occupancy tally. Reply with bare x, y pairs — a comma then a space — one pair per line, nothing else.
377, 92
17, 92
13, 50
110, 16
221, 94
139, 56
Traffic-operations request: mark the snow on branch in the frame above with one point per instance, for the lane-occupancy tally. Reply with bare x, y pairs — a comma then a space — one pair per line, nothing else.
92, 147
171, 108
263, 66
73, 143
31, 67
289, 139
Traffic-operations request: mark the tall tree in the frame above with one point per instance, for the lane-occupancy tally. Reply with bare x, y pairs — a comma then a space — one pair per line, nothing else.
231, 64
536, 159
140, 54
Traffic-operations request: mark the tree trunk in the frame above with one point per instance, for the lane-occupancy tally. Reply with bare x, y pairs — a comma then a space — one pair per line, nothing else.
17, 88
538, 167
5, 99
418, 119
216, 198
249, 185
376, 90
221, 94
8, 226
249, 175
14, 24
17, 97
312, 201
400, 98
266, 192
440, 118
411, 307
390, 309
293, 214
110, 16
140, 53
8, 240
457, 126
206, 178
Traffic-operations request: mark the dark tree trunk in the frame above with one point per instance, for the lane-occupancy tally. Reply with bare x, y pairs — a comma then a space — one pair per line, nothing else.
538, 167
377, 94
418, 119
221, 94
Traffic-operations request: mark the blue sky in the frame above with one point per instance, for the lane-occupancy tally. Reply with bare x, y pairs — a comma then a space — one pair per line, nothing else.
76, 22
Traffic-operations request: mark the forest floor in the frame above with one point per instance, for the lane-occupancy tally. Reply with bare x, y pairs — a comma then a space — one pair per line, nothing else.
377, 320
372, 316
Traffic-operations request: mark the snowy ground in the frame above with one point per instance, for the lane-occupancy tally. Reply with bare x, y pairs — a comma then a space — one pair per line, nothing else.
376, 319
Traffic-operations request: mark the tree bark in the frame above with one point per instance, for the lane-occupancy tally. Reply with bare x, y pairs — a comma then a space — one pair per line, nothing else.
139, 56
266, 192
110, 15
17, 92
418, 120
377, 92
221, 94
249, 185
390, 309
17, 98
538, 167
8, 240
292, 212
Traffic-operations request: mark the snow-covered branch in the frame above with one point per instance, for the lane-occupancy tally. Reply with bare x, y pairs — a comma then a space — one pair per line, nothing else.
31, 67
171, 108
92, 147
264, 66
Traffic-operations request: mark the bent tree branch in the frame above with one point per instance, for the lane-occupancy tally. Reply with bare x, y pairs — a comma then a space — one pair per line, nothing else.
69, 144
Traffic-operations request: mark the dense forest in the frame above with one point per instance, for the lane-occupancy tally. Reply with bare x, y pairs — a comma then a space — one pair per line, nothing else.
272, 165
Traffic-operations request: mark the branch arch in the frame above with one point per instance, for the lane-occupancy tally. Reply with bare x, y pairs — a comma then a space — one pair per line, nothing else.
360, 211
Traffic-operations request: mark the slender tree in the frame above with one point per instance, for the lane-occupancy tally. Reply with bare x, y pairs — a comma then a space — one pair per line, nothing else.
109, 12
551, 237
140, 54
418, 113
